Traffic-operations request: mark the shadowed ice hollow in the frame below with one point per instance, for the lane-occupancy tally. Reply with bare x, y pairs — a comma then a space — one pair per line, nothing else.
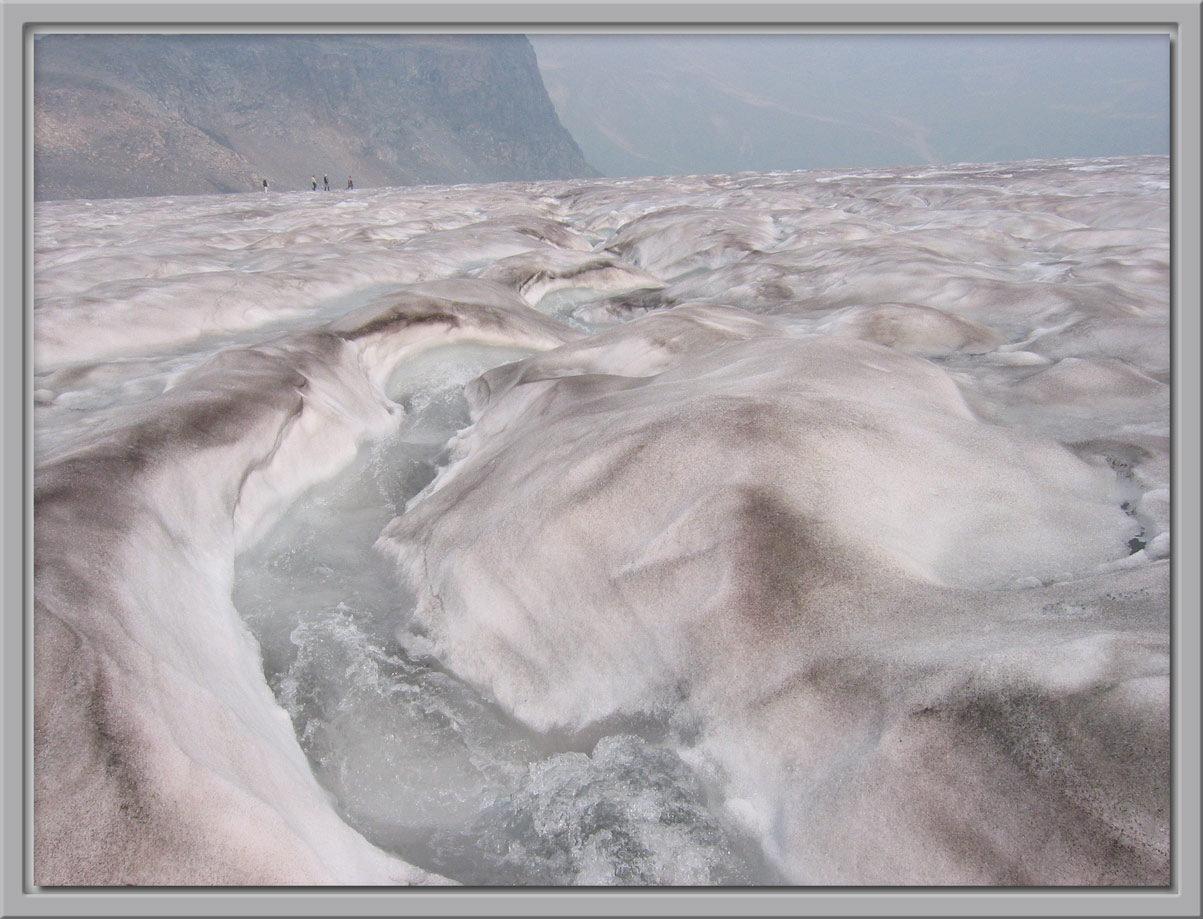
797, 528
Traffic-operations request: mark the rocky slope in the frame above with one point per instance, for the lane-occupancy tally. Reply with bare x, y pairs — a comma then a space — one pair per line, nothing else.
130, 115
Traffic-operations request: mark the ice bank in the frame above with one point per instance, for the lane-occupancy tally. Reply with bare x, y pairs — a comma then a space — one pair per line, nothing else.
161, 757
888, 624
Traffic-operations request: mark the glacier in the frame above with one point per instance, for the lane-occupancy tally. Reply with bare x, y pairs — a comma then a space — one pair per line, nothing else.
794, 528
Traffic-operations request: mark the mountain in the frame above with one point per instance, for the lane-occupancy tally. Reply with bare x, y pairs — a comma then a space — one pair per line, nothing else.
664, 104
132, 115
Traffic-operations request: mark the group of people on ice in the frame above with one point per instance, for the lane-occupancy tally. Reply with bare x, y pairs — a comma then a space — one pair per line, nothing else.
325, 183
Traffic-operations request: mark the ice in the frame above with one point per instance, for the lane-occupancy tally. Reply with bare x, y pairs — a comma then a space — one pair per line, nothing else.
728, 516
187, 480
162, 757
916, 329
223, 265
676, 240
536, 275
418, 761
805, 528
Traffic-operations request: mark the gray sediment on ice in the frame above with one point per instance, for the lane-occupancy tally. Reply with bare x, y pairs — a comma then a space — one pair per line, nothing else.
854, 485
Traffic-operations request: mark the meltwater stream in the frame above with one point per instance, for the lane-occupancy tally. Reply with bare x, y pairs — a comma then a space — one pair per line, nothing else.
418, 761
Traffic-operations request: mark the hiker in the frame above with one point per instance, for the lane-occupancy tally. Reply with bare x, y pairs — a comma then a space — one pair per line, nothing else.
265, 186
350, 184
313, 179
326, 182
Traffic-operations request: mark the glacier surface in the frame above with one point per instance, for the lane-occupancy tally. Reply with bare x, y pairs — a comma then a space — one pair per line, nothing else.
802, 528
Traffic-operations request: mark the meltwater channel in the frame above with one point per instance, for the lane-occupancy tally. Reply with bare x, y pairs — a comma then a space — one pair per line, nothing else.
415, 759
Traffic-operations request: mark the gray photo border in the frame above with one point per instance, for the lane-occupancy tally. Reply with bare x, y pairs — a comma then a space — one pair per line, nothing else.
1178, 18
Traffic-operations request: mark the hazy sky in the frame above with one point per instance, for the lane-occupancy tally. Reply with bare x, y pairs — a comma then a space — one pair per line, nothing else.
662, 104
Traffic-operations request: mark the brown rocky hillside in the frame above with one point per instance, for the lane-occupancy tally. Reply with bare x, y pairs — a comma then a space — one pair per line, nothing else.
130, 115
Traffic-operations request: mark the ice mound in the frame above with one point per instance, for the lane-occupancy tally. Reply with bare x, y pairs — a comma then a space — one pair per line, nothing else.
161, 759
676, 240
796, 543
160, 755
619, 353
1025, 744
1075, 380
916, 329
538, 273
187, 273
445, 312
822, 414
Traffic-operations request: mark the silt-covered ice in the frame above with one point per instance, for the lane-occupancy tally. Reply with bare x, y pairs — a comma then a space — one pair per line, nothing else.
803, 528
808, 546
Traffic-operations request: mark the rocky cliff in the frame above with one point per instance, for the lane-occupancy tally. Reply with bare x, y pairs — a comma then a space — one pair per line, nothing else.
130, 115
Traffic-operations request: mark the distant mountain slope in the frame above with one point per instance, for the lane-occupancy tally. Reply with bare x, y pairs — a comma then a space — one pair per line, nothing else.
130, 115
664, 104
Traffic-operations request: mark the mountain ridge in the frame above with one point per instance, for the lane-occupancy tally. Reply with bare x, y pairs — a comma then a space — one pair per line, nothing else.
135, 115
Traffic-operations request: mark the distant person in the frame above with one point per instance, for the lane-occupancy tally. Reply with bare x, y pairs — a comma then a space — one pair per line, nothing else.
350, 184
313, 179
326, 182
265, 186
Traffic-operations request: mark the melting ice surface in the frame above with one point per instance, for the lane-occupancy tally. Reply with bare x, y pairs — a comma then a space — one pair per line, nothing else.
804, 528
420, 762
